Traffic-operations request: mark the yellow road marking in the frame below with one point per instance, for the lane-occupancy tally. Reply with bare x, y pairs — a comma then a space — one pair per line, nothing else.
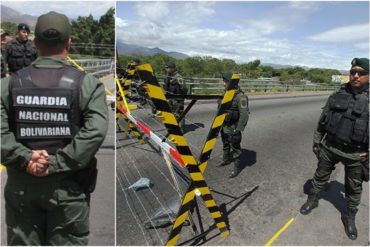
269, 243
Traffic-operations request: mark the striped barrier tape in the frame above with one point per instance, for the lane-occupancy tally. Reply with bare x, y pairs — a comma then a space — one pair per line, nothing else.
155, 138
198, 184
130, 126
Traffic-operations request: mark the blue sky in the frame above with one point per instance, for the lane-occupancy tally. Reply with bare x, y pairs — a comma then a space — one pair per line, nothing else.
314, 34
70, 8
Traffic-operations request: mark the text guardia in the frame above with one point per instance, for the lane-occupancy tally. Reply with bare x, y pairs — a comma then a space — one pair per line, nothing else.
41, 100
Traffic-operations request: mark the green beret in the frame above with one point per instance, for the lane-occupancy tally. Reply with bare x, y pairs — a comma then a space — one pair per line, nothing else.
227, 76
171, 65
56, 24
23, 26
361, 62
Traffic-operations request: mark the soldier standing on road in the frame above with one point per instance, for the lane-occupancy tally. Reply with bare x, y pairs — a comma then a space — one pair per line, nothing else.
20, 52
342, 135
53, 121
235, 121
175, 84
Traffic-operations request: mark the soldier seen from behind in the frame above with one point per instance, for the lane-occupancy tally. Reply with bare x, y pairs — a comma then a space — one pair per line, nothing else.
53, 120
342, 136
235, 122
20, 52
175, 84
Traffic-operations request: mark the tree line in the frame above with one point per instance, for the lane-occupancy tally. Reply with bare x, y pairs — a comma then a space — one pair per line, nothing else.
94, 37
212, 67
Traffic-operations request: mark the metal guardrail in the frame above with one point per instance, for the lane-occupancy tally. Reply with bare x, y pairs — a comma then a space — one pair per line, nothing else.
198, 85
97, 67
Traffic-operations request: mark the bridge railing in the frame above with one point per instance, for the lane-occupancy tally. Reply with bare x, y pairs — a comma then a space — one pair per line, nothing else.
215, 86
97, 67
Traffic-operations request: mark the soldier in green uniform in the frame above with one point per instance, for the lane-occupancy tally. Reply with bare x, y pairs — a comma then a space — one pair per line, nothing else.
342, 136
4, 41
235, 122
53, 121
20, 52
175, 84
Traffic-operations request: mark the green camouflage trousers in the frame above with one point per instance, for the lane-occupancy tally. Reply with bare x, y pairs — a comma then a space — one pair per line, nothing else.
231, 143
353, 175
46, 214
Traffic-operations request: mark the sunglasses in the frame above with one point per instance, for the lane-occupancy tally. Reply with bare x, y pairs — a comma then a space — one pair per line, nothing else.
359, 72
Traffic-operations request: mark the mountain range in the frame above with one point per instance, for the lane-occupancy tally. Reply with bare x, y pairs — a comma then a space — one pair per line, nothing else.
131, 50
11, 15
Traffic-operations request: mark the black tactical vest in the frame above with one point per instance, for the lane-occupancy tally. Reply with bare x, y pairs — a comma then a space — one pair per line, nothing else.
347, 121
45, 111
233, 114
20, 55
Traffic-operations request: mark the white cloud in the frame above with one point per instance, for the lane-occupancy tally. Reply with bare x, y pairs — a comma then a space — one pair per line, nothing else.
352, 33
281, 19
151, 11
72, 9
121, 22
304, 5
362, 46
192, 12
178, 29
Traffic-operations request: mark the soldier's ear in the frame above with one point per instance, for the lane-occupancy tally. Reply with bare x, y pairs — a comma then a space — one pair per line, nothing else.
68, 43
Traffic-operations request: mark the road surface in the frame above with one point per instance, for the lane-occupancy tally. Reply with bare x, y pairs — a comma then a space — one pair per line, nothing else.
278, 160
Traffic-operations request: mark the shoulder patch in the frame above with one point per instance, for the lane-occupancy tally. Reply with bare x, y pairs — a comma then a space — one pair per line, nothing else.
243, 102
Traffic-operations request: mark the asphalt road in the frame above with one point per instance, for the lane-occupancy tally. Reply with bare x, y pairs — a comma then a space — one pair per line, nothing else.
102, 221
278, 160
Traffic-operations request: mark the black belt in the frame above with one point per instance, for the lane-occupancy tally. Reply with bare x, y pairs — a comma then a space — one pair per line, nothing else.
347, 148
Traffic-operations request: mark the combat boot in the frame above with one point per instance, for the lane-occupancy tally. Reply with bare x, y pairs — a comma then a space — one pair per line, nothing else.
182, 125
236, 169
348, 220
311, 203
226, 159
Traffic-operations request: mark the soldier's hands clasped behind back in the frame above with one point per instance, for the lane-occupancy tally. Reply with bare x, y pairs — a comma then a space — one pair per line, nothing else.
39, 163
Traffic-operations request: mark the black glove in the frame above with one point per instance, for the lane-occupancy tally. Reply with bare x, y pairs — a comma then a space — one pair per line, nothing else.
316, 149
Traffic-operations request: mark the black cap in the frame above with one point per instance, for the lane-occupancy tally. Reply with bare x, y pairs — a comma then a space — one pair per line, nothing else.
57, 24
23, 26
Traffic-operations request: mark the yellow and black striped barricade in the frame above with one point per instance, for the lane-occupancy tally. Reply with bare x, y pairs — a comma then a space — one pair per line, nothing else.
127, 78
130, 126
195, 169
203, 161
